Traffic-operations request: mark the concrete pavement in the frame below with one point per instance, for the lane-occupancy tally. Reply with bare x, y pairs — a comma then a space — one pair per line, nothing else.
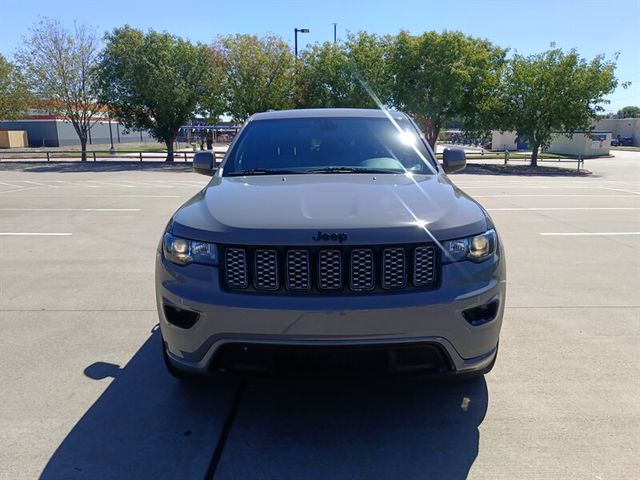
85, 394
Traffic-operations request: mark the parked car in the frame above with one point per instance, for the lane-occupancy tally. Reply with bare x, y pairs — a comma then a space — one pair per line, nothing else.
330, 240
626, 141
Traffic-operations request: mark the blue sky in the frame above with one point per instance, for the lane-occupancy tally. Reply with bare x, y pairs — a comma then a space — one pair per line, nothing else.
591, 26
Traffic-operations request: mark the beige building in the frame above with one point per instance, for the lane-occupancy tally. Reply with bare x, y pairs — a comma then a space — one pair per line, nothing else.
580, 144
621, 128
501, 141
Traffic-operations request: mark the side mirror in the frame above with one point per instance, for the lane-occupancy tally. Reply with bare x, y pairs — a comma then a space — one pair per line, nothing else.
204, 163
453, 160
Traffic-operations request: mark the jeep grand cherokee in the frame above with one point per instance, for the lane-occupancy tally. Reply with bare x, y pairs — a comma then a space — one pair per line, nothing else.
330, 240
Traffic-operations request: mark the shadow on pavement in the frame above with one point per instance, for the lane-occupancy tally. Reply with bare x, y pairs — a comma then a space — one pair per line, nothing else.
144, 425
148, 425
352, 430
80, 167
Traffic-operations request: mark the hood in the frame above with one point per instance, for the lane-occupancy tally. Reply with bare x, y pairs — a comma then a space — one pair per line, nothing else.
291, 209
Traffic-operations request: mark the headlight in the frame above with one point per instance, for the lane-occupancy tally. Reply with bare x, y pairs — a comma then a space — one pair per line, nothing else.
182, 251
477, 248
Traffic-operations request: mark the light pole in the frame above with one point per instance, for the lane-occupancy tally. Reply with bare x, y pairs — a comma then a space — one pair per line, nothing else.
334, 33
112, 150
295, 36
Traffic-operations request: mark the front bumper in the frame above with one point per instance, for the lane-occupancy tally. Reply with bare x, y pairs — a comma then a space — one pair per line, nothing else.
432, 317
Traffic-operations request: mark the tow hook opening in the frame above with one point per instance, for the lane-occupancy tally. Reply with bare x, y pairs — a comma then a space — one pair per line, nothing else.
482, 314
180, 317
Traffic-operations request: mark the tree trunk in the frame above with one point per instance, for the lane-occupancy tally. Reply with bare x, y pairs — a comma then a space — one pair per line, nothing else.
534, 155
430, 129
169, 144
83, 147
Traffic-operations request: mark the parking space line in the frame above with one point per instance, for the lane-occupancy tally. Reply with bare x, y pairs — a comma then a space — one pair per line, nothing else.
138, 183
75, 184
18, 190
585, 234
620, 190
570, 195
110, 184
534, 209
69, 209
130, 196
36, 234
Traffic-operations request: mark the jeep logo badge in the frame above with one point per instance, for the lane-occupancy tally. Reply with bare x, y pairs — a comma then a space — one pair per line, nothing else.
329, 237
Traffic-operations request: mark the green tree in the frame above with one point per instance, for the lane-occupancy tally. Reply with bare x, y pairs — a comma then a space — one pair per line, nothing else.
443, 76
156, 81
14, 91
552, 92
344, 74
59, 65
629, 112
258, 73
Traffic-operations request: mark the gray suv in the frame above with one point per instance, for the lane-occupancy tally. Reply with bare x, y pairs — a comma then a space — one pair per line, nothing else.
330, 240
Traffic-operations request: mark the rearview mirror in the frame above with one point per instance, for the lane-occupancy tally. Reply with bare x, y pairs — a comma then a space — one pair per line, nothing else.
204, 163
453, 160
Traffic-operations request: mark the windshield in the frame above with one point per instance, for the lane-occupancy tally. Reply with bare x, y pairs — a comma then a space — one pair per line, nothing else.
327, 145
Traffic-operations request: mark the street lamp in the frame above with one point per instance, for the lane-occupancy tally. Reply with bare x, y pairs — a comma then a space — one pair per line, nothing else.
295, 35
112, 150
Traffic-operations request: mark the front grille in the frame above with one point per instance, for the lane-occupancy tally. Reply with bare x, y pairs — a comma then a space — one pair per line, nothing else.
235, 264
362, 272
266, 276
394, 268
329, 270
298, 271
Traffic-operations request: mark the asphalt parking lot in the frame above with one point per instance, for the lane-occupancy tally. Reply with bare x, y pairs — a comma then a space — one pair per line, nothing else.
85, 395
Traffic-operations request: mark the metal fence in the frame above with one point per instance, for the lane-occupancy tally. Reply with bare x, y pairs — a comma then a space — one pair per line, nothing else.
99, 155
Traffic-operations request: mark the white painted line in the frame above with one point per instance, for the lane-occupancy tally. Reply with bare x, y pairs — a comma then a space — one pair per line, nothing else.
585, 234
53, 195
34, 234
110, 184
138, 183
75, 184
10, 184
524, 187
130, 196
533, 209
69, 209
18, 190
620, 190
35, 183
554, 195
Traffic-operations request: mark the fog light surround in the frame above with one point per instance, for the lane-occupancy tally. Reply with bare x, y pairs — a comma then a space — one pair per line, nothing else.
179, 316
481, 314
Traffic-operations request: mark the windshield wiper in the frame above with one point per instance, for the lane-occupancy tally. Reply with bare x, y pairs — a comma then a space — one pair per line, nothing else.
352, 170
262, 171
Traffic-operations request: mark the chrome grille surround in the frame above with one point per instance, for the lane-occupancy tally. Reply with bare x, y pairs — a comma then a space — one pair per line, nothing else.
362, 276
265, 274
394, 268
235, 264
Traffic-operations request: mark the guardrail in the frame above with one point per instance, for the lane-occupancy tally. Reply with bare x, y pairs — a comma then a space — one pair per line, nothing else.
100, 155
578, 160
